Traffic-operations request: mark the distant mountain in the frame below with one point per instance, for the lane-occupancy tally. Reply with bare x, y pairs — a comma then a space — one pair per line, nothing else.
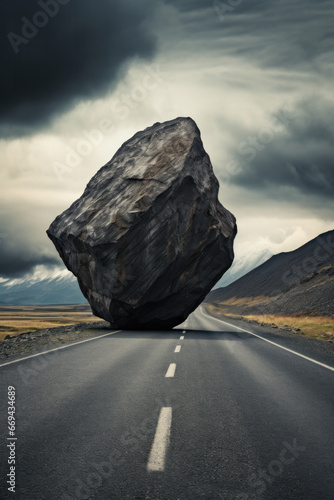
298, 281
242, 264
295, 282
42, 287
59, 286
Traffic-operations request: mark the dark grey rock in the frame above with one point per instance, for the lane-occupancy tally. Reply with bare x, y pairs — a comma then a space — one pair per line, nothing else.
148, 238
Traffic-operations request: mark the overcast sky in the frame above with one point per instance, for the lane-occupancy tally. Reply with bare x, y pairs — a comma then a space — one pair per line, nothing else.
81, 77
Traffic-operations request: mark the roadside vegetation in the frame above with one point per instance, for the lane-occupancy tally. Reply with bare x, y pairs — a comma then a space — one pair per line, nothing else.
316, 327
15, 320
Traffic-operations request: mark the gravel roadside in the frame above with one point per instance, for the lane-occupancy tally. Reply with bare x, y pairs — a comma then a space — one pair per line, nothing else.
322, 349
39, 341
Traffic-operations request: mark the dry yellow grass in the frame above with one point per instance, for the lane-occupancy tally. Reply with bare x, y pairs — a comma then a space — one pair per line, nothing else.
248, 301
317, 327
15, 319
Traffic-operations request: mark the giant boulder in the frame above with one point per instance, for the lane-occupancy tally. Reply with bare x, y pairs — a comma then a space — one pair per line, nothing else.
148, 238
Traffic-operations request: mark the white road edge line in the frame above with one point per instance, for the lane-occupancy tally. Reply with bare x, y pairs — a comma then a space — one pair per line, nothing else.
177, 348
58, 348
182, 337
171, 370
156, 461
273, 343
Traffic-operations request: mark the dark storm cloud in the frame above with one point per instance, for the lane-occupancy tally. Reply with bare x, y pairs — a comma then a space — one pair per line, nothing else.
17, 265
55, 52
21, 245
269, 33
298, 155
295, 39
189, 5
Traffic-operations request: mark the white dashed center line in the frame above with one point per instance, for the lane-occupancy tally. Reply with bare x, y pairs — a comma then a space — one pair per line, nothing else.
156, 461
177, 348
182, 337
171, 370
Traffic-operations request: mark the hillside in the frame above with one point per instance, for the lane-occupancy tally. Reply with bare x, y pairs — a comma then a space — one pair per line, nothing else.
243, 263
298, 282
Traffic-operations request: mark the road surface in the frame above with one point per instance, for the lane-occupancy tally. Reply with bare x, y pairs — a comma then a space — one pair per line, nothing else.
204, 411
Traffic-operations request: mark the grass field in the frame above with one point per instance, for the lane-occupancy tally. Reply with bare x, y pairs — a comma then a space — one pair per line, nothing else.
20, 319
317, 327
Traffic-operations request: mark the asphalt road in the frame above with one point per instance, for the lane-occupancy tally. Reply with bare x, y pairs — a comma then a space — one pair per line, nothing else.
227, 415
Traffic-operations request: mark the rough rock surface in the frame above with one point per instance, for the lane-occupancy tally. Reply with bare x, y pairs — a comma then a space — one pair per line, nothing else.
148, 238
